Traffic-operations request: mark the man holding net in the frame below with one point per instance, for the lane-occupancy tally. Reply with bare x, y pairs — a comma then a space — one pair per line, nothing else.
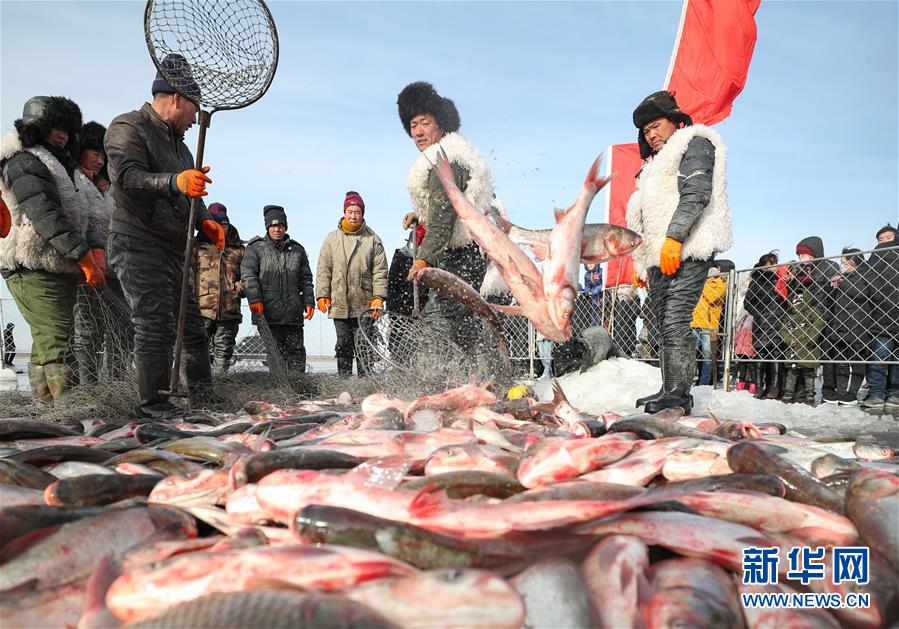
153, 179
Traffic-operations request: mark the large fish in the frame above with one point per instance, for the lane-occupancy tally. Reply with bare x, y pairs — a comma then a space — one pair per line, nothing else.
563, 253
455, 288
554, 595
615, 574
516, 268
872, 502
692, 593
600, 242
554, 460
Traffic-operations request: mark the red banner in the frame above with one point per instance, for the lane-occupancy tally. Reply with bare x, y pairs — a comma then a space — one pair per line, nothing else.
624, 161
711, 56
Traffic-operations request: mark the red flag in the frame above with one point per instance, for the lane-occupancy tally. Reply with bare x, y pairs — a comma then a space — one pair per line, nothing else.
625, 162
711, 56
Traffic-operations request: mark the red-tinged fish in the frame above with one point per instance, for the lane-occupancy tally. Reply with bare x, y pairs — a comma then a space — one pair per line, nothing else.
555, 459
444, 599
377, 402
205, 487
516, 268
737, 430
148, 591
471, 457
70, 552
16, 496
131, 469
872, 501
98, 489
455, 399
563, 252
694, 463
600, 242
872, 451
640, 466
96, 615
562, 408
811, 524
242, 506
783, 617
615, 575
250, 441
59, 606
687, 534
30, 444
691, 592
340, 424
482, 414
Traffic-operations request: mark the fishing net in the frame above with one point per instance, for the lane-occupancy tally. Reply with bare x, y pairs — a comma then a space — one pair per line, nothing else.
409, 355
221, 53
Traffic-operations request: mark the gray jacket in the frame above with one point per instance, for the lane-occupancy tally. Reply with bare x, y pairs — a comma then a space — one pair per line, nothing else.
279, 277
144, 154
694, 182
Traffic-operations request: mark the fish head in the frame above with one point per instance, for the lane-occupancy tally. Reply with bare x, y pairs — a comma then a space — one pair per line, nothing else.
621, 241
562, 308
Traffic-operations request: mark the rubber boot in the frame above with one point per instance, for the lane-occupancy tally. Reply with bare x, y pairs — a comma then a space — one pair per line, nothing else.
153, 375
776, 375
649, 398
59, 379
789, 388
677, 380
344, 366
88, 369
763, 375
198, 373
809, 387
38, 381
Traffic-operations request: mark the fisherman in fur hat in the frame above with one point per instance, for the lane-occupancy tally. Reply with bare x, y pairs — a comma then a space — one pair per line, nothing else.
680, 208
432, 122
52, 243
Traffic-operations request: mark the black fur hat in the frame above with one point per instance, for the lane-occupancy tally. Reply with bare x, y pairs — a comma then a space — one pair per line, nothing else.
657, 105
43, 113
421, 98
91, 137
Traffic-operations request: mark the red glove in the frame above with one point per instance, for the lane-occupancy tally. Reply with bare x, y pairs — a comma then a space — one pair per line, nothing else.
417, 266
5, 220
193, 182
214, 231
376, 306
100, 259
257, 307
93, 274
310, 310
420, 232
669, 261
324, 304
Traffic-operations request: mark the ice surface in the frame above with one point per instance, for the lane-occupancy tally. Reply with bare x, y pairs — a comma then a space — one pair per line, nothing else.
614, 384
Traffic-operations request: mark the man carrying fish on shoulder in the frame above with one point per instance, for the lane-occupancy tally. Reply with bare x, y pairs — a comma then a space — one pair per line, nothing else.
680, 208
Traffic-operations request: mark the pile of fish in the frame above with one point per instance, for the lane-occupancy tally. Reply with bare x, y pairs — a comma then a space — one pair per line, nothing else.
452, 510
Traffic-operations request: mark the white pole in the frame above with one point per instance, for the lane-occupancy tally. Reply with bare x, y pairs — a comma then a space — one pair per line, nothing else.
680, 30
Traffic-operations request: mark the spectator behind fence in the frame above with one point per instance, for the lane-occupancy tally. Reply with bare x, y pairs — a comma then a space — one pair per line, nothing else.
278, 285
216, 279
592, 289
351, 278
766, 301
883, 273
801, 332
623, 304
707, 317
847, 335
886, 234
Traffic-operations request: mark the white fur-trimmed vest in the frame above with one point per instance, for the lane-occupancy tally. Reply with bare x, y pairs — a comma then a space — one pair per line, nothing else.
24, 246
653, 203
100, 206
479, 191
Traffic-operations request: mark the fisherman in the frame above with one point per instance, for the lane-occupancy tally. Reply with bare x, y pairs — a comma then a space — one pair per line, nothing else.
680, 208
216, 278
101, 315
351, 278
153, 181
432, 122
278, 284
51, 242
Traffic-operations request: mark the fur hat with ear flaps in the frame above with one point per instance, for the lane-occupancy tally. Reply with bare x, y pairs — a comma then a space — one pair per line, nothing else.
43, 113
91, 137
421, 98
657, 105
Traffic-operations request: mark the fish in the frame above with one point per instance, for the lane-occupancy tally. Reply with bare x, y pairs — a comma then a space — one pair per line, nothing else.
564, 409
872, 451
600, 242
578, 490
57, 453
98, 489
72, 469
444, 599
24, 475
555, 460
563, 251
691, 593
464, 483
653, 427
455, 399
756, 457
641, 465
253, 468
615, 575
516, 268
20, 428
758, 483
554, 595
872, 502
16, 495
453, 287
472, 457
694, 464
22, 519
203, 487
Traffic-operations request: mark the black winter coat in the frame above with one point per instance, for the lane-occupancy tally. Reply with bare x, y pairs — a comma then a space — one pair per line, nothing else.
883, 290
279, 277
400, 297
767, 308
850, 316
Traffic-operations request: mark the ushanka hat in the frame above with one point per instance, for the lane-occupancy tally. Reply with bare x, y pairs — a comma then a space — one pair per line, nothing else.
421, 98
657, 105
43, 113
91, 137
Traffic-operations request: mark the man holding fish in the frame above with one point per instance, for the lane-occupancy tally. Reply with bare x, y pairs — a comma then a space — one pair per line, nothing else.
680, 208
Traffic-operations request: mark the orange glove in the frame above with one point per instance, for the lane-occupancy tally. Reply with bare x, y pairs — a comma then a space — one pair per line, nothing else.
669, 261
193, 182
638, 283
257, 307
93, 274
324, 304
5, 220
417, 266
100, 259
310, 310
376, 306
214, 231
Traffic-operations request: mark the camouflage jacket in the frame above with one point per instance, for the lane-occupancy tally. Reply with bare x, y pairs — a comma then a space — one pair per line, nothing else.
216, 277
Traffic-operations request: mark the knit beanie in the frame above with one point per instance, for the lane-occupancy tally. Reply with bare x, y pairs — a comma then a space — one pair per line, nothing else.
274, 215
354, 198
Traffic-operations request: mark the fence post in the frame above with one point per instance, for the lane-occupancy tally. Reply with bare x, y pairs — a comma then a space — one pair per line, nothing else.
729, 325
532, 347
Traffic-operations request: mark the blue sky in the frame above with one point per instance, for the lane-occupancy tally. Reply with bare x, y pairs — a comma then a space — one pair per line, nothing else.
542, 88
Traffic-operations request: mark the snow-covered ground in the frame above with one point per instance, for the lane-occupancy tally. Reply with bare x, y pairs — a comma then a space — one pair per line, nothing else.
614, 384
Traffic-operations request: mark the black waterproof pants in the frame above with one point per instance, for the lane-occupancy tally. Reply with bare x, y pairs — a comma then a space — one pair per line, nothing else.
289, 339
458, 321
222, 337
672, 299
